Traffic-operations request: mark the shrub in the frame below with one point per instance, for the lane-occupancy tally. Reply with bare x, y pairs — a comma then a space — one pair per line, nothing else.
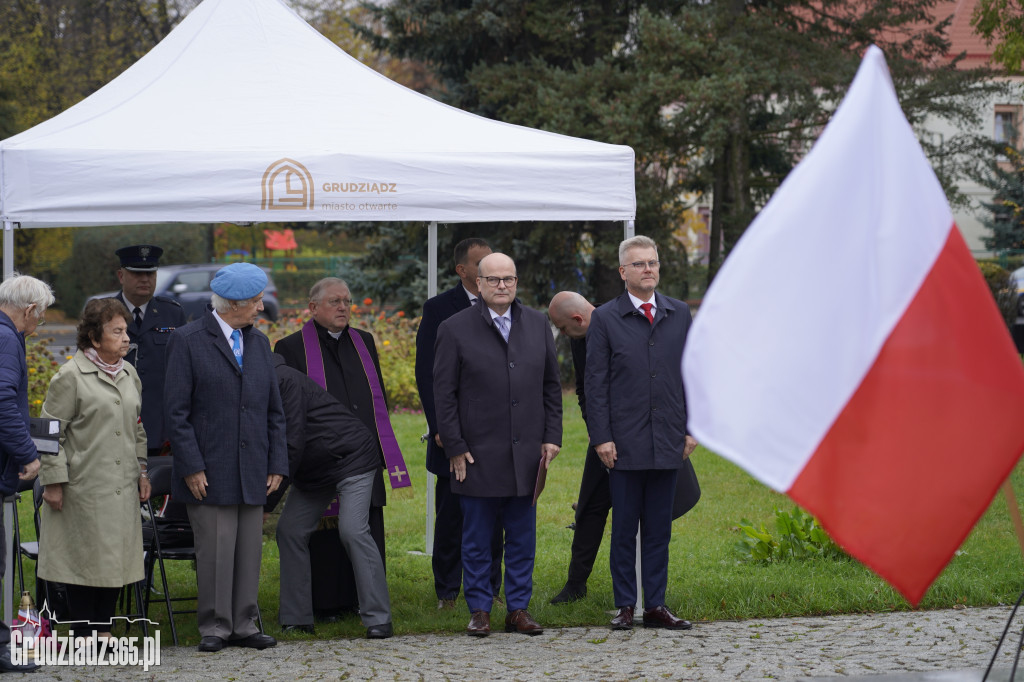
1003, 289
800, 538
41, 368
93, 265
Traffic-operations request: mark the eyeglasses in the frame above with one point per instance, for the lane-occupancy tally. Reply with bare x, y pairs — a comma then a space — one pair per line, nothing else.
493, 281
337, 302
641, 264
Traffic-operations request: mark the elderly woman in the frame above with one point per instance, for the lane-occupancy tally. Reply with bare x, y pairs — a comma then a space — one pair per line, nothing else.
91, 529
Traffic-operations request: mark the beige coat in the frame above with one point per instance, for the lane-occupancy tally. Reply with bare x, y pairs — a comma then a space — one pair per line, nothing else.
96, 539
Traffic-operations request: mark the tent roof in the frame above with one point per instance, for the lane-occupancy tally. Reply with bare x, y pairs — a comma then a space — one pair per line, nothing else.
246, 113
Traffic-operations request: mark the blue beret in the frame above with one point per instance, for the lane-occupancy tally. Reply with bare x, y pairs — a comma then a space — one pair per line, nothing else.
239, 281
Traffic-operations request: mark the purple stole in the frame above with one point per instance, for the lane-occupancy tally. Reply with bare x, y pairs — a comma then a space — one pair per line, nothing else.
397, 472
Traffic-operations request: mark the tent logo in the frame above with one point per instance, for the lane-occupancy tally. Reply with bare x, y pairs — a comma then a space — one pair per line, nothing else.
287, 185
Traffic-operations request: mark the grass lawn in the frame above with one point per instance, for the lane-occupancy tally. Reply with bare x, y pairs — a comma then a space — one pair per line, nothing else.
706, 582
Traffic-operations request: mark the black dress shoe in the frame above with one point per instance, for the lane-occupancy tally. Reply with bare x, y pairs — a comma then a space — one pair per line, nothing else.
445, 604
9, 666
623, 620
304, 629
382, 631
661, 617
211, 643
254, 641
479, 624
570, 592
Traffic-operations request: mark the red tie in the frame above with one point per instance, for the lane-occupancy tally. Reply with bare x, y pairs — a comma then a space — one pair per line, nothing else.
647, 311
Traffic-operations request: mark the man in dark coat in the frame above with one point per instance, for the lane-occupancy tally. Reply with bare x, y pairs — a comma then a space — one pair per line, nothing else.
226, 424
637, 423
446, 561
153, 320
23, 303
330, 452
570, 313
330, 303
499, 413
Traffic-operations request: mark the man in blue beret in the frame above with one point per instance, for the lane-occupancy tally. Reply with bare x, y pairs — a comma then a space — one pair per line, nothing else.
226, 424
153, 320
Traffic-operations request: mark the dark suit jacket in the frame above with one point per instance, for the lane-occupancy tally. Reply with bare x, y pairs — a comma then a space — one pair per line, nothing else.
220, 419
346, 381
163, 315
326, 442
634, 382
435, 311
497, 401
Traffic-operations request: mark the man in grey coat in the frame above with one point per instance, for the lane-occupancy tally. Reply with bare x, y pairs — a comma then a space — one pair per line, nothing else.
499, 414
227, 430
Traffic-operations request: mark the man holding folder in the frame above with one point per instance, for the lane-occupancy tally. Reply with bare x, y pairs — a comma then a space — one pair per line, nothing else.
499, 415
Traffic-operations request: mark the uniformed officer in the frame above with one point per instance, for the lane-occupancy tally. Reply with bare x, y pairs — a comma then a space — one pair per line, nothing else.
154, 318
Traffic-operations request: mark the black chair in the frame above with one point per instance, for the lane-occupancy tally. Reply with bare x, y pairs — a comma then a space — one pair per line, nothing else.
164, 539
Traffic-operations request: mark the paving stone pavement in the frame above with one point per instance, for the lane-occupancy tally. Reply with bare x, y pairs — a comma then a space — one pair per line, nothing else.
784, 648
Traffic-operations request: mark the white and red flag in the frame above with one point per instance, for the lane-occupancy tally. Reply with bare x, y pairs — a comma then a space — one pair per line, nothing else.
850, 354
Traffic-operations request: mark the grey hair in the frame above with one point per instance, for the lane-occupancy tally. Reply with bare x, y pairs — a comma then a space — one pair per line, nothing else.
316, 291
219, 303
222, 305
21, 291
637, 242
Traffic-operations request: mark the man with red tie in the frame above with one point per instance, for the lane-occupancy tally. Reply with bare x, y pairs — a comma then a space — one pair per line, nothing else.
637, 423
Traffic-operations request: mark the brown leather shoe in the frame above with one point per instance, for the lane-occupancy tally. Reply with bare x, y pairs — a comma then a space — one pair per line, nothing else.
479, 624
661, 617
445, 604
623, 620
522, 622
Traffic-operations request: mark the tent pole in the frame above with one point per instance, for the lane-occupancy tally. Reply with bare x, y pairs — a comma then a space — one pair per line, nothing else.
12, 508
628, 231
431, 292
8, 248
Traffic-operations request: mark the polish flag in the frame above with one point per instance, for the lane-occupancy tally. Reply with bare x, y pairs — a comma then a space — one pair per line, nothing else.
850, 354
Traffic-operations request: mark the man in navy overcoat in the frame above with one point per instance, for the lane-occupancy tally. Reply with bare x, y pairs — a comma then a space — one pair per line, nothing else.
637, 423
227, 429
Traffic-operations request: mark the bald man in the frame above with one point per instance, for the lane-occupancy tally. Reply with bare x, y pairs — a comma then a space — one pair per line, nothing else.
570, 314
499, 414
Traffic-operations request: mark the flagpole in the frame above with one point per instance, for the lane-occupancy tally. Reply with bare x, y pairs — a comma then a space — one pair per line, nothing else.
1011, 502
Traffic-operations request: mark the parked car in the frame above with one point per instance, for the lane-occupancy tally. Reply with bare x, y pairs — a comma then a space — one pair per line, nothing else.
189, 285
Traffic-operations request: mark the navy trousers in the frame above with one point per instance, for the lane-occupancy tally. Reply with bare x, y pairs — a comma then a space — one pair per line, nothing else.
446, 561
641, 499
480, 517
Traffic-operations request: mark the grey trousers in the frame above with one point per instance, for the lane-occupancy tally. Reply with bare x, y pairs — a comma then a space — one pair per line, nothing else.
298, 521
229, 546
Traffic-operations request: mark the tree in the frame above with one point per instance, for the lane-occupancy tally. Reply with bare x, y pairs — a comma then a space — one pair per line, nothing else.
720, 97
57, 52
1004, 176
1002, 22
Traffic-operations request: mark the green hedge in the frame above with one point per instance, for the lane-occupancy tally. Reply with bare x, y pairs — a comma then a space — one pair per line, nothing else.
92, 268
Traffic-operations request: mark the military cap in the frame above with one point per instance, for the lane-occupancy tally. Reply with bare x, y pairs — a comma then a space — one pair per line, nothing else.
140, 258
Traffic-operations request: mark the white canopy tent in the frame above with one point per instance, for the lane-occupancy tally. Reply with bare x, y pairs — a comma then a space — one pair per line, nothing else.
245, 113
